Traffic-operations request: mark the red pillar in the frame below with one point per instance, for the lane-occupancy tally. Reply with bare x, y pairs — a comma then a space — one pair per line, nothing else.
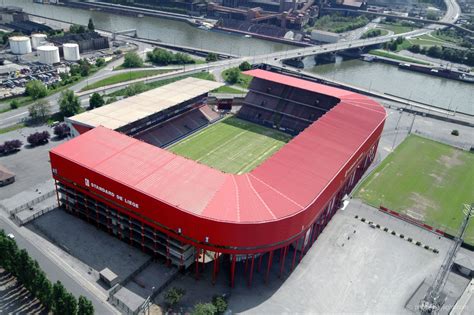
196, 262
282, 263
57, 194
203, 257
270, 257
260, 262
294, 255
302, 247
246, 263
216, 265
232, 272
251, 271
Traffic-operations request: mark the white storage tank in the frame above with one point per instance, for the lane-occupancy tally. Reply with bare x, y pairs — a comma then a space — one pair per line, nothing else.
38, 40
48, 54
20, 45
71, 52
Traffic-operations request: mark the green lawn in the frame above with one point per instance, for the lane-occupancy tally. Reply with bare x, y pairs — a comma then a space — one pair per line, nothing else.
228, 90
396, 28
243, 81
390, 55
12, 128
125, 76
232, 146
156, 84
425, 179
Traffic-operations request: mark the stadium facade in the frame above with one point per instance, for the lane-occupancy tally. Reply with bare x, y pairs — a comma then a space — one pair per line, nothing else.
182, 210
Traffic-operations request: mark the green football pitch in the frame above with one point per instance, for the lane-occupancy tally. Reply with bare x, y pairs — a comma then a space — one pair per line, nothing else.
426, 180
232, 145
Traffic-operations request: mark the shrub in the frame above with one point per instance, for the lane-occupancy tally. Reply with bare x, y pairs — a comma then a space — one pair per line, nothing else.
14, 104
38, 138
132, 60
100, 62
244, 66
174, 295
36, 89
455, 132
220, 303
96, 100
211, 57
204, 309
10, 146
61, 130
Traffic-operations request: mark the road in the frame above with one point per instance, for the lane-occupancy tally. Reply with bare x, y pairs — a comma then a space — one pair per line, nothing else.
54, 266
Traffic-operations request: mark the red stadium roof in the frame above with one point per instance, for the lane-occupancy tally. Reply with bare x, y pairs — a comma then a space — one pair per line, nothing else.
284, 185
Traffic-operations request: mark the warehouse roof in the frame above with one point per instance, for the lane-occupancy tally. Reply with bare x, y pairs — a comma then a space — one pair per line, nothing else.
284, 185
131, 109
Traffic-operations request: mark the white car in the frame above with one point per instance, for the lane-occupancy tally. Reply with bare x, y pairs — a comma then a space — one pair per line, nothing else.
11, 236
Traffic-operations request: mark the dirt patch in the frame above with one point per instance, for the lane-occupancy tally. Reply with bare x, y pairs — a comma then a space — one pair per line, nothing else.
421, 204
451, 160
438, 179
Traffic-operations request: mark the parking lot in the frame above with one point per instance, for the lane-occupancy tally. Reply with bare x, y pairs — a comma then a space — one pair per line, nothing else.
30, 165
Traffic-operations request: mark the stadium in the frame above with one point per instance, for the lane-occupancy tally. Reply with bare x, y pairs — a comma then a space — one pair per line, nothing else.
167, 173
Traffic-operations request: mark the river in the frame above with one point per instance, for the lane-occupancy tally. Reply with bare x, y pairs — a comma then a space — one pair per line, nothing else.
169, 31
440, 92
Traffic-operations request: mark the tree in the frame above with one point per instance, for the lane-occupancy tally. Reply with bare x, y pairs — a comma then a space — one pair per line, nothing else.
173, 296
415, 48
96, 100
39, 111
36, 89
244, 66
69, 103
77, 29
212, 57
434, 51
38, 138
132, 60
90, 25
61, 130
14, 104
70, 304
85, 307
84, 68
58, 298
204, 309
220, 303
233, 75
135, 88
10, 146
100, 62
432, 15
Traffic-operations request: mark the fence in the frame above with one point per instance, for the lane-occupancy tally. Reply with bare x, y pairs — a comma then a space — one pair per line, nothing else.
32, 202
463, 145
21, 222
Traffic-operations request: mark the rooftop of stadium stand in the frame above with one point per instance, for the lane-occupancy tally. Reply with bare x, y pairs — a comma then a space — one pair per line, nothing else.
132, 109
284, 185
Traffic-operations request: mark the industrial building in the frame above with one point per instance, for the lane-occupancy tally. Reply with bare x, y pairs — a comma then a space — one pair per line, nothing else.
185, 211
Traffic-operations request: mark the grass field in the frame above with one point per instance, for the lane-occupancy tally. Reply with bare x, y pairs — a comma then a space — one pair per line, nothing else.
386, 54
125, 76
232, 145
425, 179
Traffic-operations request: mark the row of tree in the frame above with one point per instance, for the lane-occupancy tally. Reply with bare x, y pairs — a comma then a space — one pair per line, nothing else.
53, 297
164, 57
446, 53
